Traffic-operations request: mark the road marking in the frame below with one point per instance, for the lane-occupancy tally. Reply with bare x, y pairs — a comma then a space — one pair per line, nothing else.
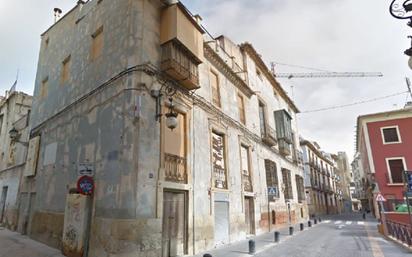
327, 221
361, 223
348, 222
376, 249
338, 222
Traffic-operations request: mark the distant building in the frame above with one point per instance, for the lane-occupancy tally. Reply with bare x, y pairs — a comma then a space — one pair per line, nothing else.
320, 178
359, 198
384, 146
14, 117
344, 180
190, 140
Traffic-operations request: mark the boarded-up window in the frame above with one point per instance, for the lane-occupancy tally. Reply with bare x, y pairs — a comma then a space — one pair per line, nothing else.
97, 43
175, 150
214, 83
44, 88
241, 107
300, 188
271, 175
1, 122
246, 175
218, 159
287, 181
32, 156
396, 169
65, 69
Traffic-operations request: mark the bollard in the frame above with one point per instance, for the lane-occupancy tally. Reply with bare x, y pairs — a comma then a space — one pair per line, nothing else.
315, 221
364, 215
290, 230
277, 234
320, 220
309, 223
252, 246
207, 255
301, 226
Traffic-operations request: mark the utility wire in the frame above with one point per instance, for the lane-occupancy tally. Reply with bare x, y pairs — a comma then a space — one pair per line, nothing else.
355, 103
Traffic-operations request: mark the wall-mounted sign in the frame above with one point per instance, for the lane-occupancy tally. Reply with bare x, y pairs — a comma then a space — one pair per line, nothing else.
380, 198
85, 185
85, 169
273, 191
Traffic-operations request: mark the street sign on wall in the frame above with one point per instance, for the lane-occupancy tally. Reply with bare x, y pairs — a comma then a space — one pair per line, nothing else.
380, 198
273, 191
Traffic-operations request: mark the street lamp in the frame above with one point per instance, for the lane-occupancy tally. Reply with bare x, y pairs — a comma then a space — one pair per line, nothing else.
15, 135
171, 116
402, 9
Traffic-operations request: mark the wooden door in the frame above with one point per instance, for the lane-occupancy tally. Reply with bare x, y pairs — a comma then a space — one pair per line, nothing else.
174, 224
3, 203
249, 216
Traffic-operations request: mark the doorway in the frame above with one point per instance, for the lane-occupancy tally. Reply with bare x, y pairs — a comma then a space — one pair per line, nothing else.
249, 216
3, 203
174, 235
221, 223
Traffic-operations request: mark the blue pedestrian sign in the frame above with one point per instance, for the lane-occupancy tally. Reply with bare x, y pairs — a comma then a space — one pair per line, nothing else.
408, 177
273, 191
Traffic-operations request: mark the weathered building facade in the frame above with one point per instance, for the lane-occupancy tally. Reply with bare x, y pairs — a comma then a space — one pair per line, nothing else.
344, 178
322, 193
182, 133
14, 113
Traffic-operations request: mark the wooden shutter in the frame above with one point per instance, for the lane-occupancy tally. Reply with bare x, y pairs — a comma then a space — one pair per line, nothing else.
32, 156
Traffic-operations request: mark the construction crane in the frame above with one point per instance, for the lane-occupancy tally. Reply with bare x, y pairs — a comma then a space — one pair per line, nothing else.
322, 73
304, 75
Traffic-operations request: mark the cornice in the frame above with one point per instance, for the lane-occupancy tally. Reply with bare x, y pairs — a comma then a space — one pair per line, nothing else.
222, 66
248, 48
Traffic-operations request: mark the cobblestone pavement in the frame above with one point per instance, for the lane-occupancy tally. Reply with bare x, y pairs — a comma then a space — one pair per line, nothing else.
15, 245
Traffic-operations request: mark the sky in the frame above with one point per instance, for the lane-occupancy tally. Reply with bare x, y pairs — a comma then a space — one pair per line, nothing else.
343, 36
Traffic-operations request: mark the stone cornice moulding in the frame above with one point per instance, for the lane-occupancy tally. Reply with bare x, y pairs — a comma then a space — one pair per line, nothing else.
222, 66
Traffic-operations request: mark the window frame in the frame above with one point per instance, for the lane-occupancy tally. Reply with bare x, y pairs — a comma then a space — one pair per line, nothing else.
219, 96
241, 108
220, 132
66, 66
397, 131
97, 33
389, 172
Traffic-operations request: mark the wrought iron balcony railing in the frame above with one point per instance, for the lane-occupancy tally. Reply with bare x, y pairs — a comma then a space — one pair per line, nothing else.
175, 169
219, 177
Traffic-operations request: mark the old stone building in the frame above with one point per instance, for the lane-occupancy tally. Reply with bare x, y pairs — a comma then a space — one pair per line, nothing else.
344, 173
14, 113
321, 181
182, 133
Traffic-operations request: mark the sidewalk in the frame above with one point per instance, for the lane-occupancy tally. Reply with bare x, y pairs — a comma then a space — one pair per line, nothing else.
263, 242
13, 244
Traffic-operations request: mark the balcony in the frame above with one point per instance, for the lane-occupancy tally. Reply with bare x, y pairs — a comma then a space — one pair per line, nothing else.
284, 147
269, 136
219, 175
180, 64
175, 169
247, 183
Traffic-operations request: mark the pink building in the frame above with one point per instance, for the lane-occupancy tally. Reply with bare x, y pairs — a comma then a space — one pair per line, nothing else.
384, 142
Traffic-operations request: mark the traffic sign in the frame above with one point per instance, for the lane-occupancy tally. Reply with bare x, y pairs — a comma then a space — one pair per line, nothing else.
272, 191
380, 198
408, 176
85, 185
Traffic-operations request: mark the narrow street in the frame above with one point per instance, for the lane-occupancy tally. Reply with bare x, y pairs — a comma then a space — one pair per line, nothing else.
340, 236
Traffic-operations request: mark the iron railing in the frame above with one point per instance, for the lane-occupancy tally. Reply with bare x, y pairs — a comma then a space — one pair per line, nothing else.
175, 168
220, 177
400, 231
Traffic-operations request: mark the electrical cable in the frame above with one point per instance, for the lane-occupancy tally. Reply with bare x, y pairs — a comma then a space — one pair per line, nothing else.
355, 103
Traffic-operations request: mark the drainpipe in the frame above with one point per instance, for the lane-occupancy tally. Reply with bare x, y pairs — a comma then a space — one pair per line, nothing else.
193, 177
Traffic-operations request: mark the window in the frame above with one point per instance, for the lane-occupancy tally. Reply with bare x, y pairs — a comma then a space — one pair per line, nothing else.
175, 150
246, 175
241, 107
395, 170
214, 83
300, 188
262, 118
1, 122
65, 70
97, 44
390, 135
218, 159
287, 181
43, 88
271, 175
259, 74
